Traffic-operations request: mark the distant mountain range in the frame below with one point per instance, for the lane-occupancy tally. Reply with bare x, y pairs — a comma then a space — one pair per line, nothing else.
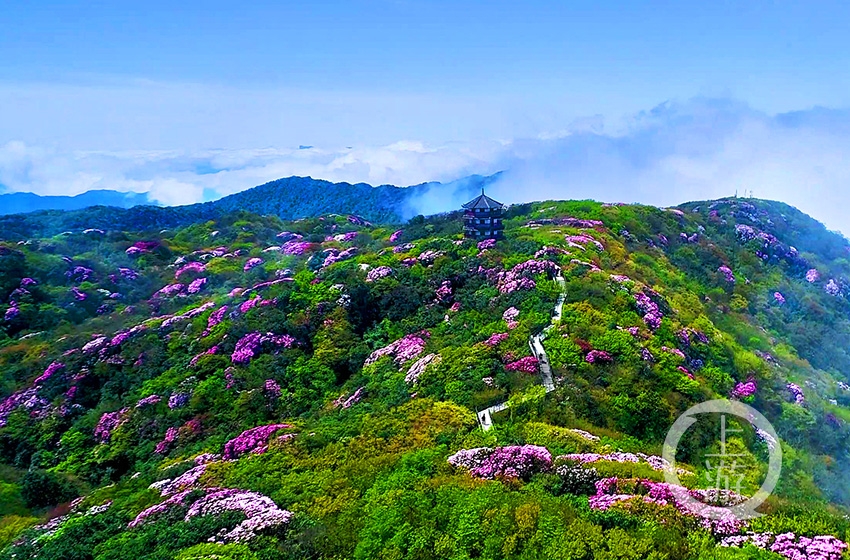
289, 198
19, 202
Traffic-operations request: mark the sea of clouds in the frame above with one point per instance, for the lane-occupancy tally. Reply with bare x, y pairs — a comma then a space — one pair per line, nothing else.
694, 150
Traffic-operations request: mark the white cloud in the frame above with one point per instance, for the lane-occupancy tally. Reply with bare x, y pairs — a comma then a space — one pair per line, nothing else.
673, 153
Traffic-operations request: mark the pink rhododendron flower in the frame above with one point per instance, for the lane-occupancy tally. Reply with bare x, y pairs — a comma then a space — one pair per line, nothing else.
378, 273
727, 273
48, 373
196, 285
107, 424
195, 267
598, 356
525, 365
252, 263
496, 339
812, 275
517, 461
255, 440
395, 236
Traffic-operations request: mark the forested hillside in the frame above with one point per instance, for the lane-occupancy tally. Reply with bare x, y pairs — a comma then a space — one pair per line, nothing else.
288, 198
245, 387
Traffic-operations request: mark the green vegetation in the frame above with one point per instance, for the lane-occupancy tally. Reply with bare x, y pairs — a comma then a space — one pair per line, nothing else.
250, 388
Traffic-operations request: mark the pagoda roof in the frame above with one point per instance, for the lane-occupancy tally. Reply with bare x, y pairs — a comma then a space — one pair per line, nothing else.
483, 201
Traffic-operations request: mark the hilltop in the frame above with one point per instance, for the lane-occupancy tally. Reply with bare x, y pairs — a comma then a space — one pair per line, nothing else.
247, 387
289, 198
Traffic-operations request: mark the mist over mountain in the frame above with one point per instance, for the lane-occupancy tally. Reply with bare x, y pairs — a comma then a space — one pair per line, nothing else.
288, 198
20, 202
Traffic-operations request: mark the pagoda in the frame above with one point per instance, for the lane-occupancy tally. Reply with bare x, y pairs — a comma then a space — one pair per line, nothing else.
482, 218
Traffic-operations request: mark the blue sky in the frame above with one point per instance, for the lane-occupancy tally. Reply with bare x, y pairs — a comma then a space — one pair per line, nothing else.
185, 98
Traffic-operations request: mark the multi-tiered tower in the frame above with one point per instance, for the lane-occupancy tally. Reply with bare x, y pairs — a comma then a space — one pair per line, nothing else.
482, 218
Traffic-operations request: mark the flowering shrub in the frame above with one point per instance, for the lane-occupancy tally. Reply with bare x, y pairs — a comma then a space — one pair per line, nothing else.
796, 393
654, 461
525, 365
252, 263
580, 242
378, 273
789, 545
255, 440
196, 285
295, 247
744, 390
517, 461
195, 267
260, 512
169, 291
651, 313
148, 401
395, 236
611, 491
178, 400
444, 292
271, 389
812, 275
216, 316
348, 401
779, 298
832, 288
727, 273
596, 356
403, 349
419, 367
486, 244
170, 436
496, 339
107, 424
48, 373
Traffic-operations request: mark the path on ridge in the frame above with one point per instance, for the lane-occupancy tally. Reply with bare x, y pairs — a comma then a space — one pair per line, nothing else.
535, 342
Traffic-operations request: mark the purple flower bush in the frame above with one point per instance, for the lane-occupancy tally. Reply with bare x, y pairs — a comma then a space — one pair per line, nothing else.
744, 390
271, 389
378, 273
195, 267
611, 491
779, 298
403, 349
196, 285
796, 393
148, 401
581, 241
651, 313
832, 288
517, 461
169, 291
295, 247
347, 401
216, 316
260, 512
108, 422
48, 373
812, 275
528, 364
496, 339
791, 546
255, 440
598, 356
727, 274
486, 244
396, 236
178, 400
419, 367
252, 263
444, 292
